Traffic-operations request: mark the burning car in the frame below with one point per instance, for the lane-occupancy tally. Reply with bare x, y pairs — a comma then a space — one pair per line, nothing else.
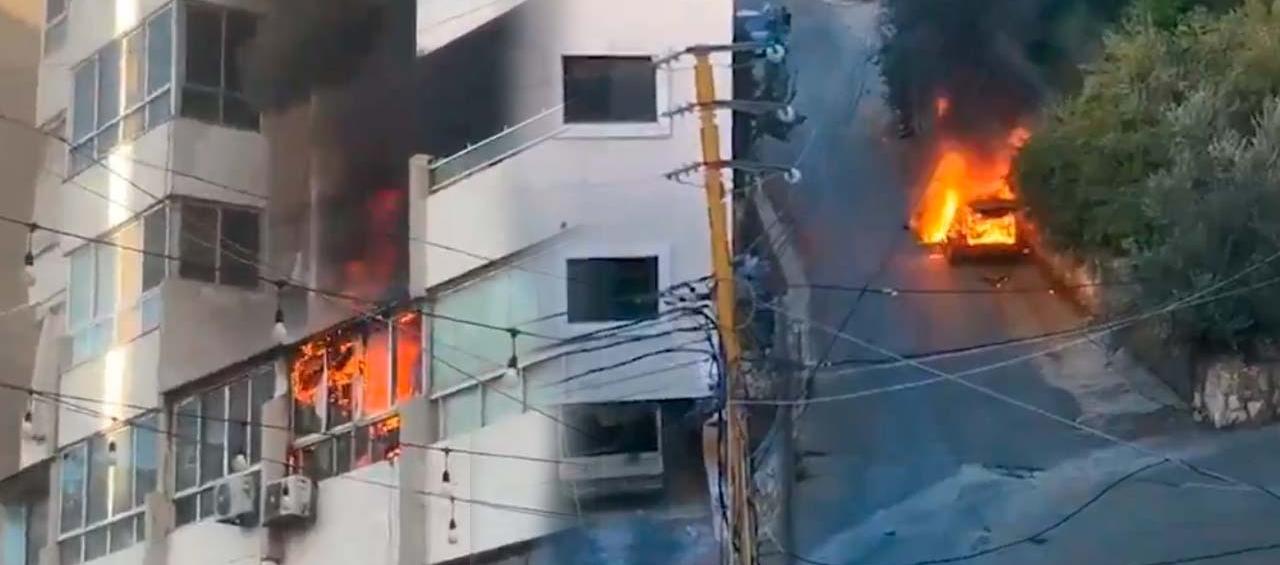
986, 228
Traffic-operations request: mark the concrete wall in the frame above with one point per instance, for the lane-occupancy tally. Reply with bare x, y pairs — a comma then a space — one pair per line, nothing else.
522, 484
20, 30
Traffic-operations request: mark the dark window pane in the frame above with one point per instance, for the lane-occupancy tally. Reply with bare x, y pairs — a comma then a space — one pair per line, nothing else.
69, 551
54, 8
140, 528
240, 244
160, 110
108, 138
342, 453
212, 434
362, 447
610, 89
616, 289
238, 422
155, 235
201, 104
186, 432
81, 157
122, 535
184, 509
317, 460
109, 83
99, 484
612, 429
196, 242
122, 474
72, 470
204, 46
84, 103
134, 68
386, 438
145, 460
207, 505
238, 113
241, 27
159, 51
95, 543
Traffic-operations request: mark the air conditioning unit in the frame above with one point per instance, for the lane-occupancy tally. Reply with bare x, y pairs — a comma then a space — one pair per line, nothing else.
291, 500
235, 499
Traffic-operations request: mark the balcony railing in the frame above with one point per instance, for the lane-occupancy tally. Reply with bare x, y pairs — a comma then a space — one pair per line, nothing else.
494, 150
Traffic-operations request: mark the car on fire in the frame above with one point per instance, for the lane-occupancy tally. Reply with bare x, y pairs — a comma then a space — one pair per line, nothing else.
987, 228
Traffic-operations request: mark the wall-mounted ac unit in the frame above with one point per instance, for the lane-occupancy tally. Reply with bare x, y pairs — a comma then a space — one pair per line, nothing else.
235, 499
289, 501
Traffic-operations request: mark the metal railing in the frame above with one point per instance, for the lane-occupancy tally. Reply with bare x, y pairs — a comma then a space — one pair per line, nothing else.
498, 148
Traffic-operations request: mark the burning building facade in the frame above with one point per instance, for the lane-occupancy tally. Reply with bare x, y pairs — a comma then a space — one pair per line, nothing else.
462, 227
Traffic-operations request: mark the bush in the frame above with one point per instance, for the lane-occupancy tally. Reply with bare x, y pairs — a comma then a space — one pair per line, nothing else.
1169, 157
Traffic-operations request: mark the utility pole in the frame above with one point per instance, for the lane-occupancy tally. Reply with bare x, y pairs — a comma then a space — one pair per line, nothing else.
741, 520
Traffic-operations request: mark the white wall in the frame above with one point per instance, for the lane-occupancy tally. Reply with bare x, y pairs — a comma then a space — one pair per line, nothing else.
442, 21
523, 484
355, 524
125, 375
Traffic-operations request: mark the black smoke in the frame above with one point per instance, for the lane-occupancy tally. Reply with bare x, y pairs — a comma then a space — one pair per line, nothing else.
996, 60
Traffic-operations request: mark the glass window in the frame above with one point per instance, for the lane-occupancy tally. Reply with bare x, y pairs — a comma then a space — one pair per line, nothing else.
120, 470
612, 289
135, 45
238, 423
212, 434
239, 247
80, 288
13, 544
264, 385
100, 462
377, 375
160, 51
610, 89
155, 238
187, 438
204, 46
72, 481
105, 272
461, 412
503, 397
241, 27
197, 249
146, 463
408, 333
505, 299
83, 120
109, 59
37, 530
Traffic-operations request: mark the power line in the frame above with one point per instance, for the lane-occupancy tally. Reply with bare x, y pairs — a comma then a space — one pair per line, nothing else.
1092, 332
287, 465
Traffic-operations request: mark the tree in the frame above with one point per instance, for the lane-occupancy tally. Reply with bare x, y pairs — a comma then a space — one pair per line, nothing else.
1169, 157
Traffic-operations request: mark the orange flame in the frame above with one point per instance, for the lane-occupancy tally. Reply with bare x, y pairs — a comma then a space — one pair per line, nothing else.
961, 175
942, 106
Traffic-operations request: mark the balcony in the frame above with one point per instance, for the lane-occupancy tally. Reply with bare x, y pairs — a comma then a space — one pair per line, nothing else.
494, 150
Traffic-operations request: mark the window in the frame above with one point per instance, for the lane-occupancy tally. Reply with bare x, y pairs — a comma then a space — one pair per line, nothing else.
612, 429
463, 354
103, 482
610, 89
121, 91
212, 92
25, 523
55, 24
215, 435
219, 244
612, 289
345, 386
110, 289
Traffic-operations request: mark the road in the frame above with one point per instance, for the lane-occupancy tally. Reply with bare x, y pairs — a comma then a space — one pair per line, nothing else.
942, 470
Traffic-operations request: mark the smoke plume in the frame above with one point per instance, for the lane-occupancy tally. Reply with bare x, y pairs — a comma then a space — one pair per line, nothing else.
994, 60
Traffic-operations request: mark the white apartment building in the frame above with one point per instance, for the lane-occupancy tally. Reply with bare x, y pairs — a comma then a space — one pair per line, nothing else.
168, 400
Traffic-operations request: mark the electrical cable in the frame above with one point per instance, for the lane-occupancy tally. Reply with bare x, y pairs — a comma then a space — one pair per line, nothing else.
1007, 399
1094, 332
349, 477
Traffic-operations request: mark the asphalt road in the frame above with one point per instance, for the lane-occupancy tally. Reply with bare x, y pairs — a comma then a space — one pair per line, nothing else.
940, 470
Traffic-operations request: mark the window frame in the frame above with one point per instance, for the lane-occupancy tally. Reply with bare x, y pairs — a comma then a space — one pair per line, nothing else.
660, 278
660, 127
78, 159
222, 91
361, 419
220, 240
136, 511
148, 301
252, 376
55, 27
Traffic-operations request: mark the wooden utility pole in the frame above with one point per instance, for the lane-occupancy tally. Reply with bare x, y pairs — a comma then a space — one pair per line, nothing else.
741, 519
